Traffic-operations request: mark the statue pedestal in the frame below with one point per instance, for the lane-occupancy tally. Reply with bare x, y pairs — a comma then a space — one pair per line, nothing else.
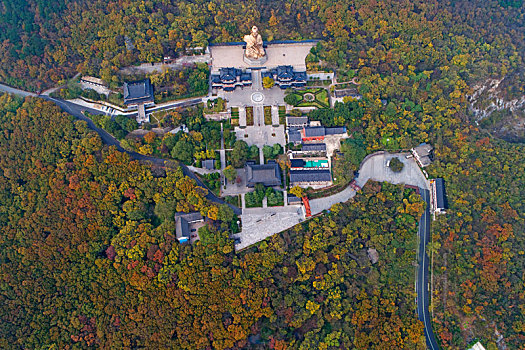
255, 61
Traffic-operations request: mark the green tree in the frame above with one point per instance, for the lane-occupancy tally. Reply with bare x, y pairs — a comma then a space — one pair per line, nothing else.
396, 165
267, 152
230, 173
239, 154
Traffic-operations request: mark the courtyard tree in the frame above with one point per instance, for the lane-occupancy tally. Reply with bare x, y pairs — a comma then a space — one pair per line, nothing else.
239, 153
292, 99
396, 165
268, 152
254, 152
283, 161
268, 82
230, 173
297, 191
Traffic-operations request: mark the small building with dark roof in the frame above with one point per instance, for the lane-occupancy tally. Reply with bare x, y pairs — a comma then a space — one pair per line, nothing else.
306, 178
208, 164
338, 130
296, 122
294, 200
314, 148
267, 174
230, 78
439, 204
294, 136
187, 225
297, 163
138, 93
423, 154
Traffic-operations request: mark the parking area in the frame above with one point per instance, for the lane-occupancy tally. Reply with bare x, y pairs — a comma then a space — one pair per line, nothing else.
261, 223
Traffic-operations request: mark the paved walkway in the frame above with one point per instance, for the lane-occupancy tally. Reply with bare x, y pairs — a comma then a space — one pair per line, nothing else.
179, 63
201, 171
259, 225
15, 91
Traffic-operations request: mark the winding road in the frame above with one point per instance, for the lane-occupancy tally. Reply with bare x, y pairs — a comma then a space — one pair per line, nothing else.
422, 285
373, 168
76, 111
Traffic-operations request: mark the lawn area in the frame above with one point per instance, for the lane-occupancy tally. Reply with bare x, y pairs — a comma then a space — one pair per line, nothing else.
282, 115
235, 121
235, 112
249, 116
253, 200
267, 115
308, 98
233, 200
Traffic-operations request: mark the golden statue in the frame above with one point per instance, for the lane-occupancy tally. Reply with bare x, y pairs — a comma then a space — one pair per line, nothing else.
254, 45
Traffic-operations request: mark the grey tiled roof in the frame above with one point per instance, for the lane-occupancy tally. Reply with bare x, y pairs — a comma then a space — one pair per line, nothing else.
208, 164
314, 131
267, 174
423, 149
296, 121
335, 130
138, 92
294, 136
314, 147
310, 176
182, 223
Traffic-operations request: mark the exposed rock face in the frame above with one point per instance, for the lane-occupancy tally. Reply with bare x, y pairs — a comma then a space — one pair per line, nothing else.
494, 110
254, 45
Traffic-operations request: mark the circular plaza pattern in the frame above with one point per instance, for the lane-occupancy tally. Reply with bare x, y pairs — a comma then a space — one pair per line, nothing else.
309, 97
257, 97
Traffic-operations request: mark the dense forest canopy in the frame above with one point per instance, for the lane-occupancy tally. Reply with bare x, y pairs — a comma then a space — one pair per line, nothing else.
88, 257
45, 41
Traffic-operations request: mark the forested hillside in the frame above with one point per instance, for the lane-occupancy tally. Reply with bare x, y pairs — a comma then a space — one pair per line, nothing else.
44, 42
87, 251
89, 257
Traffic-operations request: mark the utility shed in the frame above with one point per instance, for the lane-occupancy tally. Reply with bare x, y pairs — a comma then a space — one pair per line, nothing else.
208, 164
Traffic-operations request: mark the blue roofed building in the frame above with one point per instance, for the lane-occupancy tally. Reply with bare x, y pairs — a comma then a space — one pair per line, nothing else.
230, 78
285, 77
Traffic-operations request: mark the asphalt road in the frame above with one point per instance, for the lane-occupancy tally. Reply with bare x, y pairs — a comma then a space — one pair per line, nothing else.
422, 289
76, 111
422, 274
